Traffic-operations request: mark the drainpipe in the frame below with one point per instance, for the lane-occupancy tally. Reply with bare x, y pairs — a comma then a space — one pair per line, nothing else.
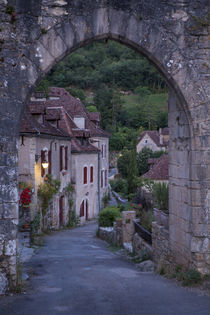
99, 189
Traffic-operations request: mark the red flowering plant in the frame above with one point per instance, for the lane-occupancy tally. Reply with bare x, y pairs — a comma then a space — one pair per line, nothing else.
25, 197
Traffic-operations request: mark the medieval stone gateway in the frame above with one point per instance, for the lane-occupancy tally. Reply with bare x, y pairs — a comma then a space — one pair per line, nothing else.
174, 35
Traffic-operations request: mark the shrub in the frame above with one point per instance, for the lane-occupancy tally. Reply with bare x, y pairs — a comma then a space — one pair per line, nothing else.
119, 185
147, 219
106, 198
160, 192
108, 215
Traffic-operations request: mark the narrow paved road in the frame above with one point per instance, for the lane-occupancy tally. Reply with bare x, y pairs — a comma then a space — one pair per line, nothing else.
74, 273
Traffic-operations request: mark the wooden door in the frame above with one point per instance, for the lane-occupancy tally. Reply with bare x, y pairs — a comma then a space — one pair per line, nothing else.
61, 210
86, 212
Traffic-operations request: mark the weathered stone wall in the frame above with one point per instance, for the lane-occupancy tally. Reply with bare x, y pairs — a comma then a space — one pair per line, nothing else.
161, 253
35, 35
139, 245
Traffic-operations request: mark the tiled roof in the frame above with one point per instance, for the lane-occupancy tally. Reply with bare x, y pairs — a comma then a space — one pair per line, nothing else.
77, 147
160, 169
95, 116
30, 125
74, 107
165, 131
62, 107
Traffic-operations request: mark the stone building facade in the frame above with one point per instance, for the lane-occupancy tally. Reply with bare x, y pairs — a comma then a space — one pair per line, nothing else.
40, 141
154, 140
172, 35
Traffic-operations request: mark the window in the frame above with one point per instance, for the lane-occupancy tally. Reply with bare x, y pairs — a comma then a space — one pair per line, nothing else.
85, 175
61, 157
49, 161
43, 152
102, 180
105, 178
91, 174
66, 158
105, 151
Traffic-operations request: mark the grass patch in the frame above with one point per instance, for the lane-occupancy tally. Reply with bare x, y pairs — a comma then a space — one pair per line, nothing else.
190, 277
158, 100
114, 248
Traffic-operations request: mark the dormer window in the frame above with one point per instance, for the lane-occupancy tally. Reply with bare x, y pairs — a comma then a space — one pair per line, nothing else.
80, 122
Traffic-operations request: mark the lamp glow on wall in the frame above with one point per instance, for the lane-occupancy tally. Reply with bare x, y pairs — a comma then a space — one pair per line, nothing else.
45, 163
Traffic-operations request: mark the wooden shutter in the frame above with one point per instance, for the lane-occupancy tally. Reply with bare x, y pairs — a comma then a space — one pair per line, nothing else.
91, 174
42, 160
85, 175
105, 178
49, 161
82, 209
66, 158
102, 179
61, 158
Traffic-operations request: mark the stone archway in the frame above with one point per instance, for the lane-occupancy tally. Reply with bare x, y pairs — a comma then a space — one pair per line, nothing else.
38, 34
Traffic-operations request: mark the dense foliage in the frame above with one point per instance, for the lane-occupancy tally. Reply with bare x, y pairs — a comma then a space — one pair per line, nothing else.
108, 215
117, 81
110, 63
160, 193
142, 159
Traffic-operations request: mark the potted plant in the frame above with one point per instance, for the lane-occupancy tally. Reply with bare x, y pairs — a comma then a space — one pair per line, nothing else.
161, 213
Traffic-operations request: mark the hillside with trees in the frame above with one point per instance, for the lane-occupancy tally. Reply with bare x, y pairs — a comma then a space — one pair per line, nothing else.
124, 86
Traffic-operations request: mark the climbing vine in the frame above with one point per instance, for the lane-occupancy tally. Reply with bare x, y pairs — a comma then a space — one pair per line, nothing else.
46, 191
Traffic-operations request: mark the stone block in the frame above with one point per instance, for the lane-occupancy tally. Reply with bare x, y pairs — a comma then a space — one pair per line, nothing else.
10, 248
128, 228
3, 283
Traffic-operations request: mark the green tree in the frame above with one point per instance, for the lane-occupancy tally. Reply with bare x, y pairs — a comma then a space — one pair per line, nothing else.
123, 162
142, 160
132, 171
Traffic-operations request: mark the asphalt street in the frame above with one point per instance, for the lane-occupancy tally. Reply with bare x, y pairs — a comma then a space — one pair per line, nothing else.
75, 273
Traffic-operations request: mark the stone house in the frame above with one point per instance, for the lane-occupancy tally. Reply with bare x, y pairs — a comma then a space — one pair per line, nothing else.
90, 153
41, 142
154, 140
66, 119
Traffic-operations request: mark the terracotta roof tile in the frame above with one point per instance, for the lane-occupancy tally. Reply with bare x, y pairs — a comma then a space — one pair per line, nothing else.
160, 169
64, 109
95, 116
30, 125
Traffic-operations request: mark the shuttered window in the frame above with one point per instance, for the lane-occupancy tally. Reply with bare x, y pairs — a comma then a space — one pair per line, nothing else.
61, 158
42, 160
49, 161
91, 174
85, 175
66, 158
105, 178
102, 181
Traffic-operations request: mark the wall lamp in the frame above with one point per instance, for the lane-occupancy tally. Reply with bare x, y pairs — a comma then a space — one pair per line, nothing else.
45, 163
